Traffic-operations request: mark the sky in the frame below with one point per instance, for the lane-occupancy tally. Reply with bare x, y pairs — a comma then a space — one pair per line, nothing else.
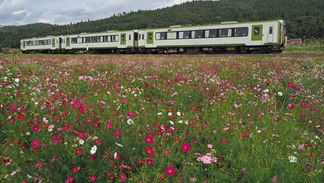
22, 12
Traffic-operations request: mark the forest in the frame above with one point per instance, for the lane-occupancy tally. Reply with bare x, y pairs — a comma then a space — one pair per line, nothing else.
304, 19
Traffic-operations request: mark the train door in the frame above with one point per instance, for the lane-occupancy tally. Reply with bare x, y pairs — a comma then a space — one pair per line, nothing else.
135, 39
53, 42
257, 33
149, 38
129, 42
270, 33
24, 44
123, 39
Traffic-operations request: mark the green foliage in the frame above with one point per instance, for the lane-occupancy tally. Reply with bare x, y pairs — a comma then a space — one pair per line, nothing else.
303, 21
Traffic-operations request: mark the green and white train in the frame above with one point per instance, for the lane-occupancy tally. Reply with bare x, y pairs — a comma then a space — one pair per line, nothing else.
245, 37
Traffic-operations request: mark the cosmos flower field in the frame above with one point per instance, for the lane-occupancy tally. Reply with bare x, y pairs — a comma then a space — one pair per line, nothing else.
161, 118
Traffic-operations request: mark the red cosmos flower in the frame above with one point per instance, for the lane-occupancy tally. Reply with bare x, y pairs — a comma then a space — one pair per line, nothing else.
148, 139
130, 113
34, 151
78, 115
81, 109
75, 169
149, 161
21, 117
92, 158
35, 144
23, 147
223, 141
117, 133
115, 166
185, 147
149, 151
19, 142
139, 162
176, 80
78, 151
248, 128
88, 120
55, 96
66, 127
243, 135
170, 171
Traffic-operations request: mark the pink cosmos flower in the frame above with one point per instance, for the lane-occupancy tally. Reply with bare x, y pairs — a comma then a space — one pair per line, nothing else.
53, 159
35, 128
206, 159
56, 141
130, 113
75, 169
108, 126
66, 127
149, 151
209, 146
38, 164
117, 133
166, 153
122, 177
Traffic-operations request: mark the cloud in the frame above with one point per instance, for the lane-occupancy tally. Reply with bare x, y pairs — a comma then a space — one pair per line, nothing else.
12, 11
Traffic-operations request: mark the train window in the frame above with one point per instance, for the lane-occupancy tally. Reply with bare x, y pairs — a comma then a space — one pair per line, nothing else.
109, 38
160, 35
142, 36
73, 40
172, 35
225, 32
87, 39
129, 37
241, 32
270, 30
79, 40
256, 31
117, 38
211, 33
123, 38
150, 36
99, 39
93, 39
184, 35
105, 38
139, 36
197, 34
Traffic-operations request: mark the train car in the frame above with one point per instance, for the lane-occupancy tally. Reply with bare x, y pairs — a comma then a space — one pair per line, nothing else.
49, 44
246, 37
104, 42
263, 36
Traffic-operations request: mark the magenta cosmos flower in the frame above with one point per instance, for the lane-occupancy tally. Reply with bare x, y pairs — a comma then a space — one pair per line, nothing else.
243, 135
35, 144
92, 178
130, 113
223, 141
117, 133
75, 169
21, 117
185, 147
170, 171
149, 151
148, 139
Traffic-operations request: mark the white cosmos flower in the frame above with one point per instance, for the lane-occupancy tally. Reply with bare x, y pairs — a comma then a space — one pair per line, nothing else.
115, 155
292, 159
29, 176
93, 149
170, 113
81, 141
118, 144
17, 80
279, 94
27, 133
180, 121
50, 129
159, 113
130, 121
171, 122
94, 138
36, 103
186, 122
266, 91
179, 113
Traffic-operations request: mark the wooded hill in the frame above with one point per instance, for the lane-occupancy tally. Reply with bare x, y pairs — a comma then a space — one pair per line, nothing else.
304, 19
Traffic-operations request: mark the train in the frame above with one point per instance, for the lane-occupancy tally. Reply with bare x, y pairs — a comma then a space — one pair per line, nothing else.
239, 37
